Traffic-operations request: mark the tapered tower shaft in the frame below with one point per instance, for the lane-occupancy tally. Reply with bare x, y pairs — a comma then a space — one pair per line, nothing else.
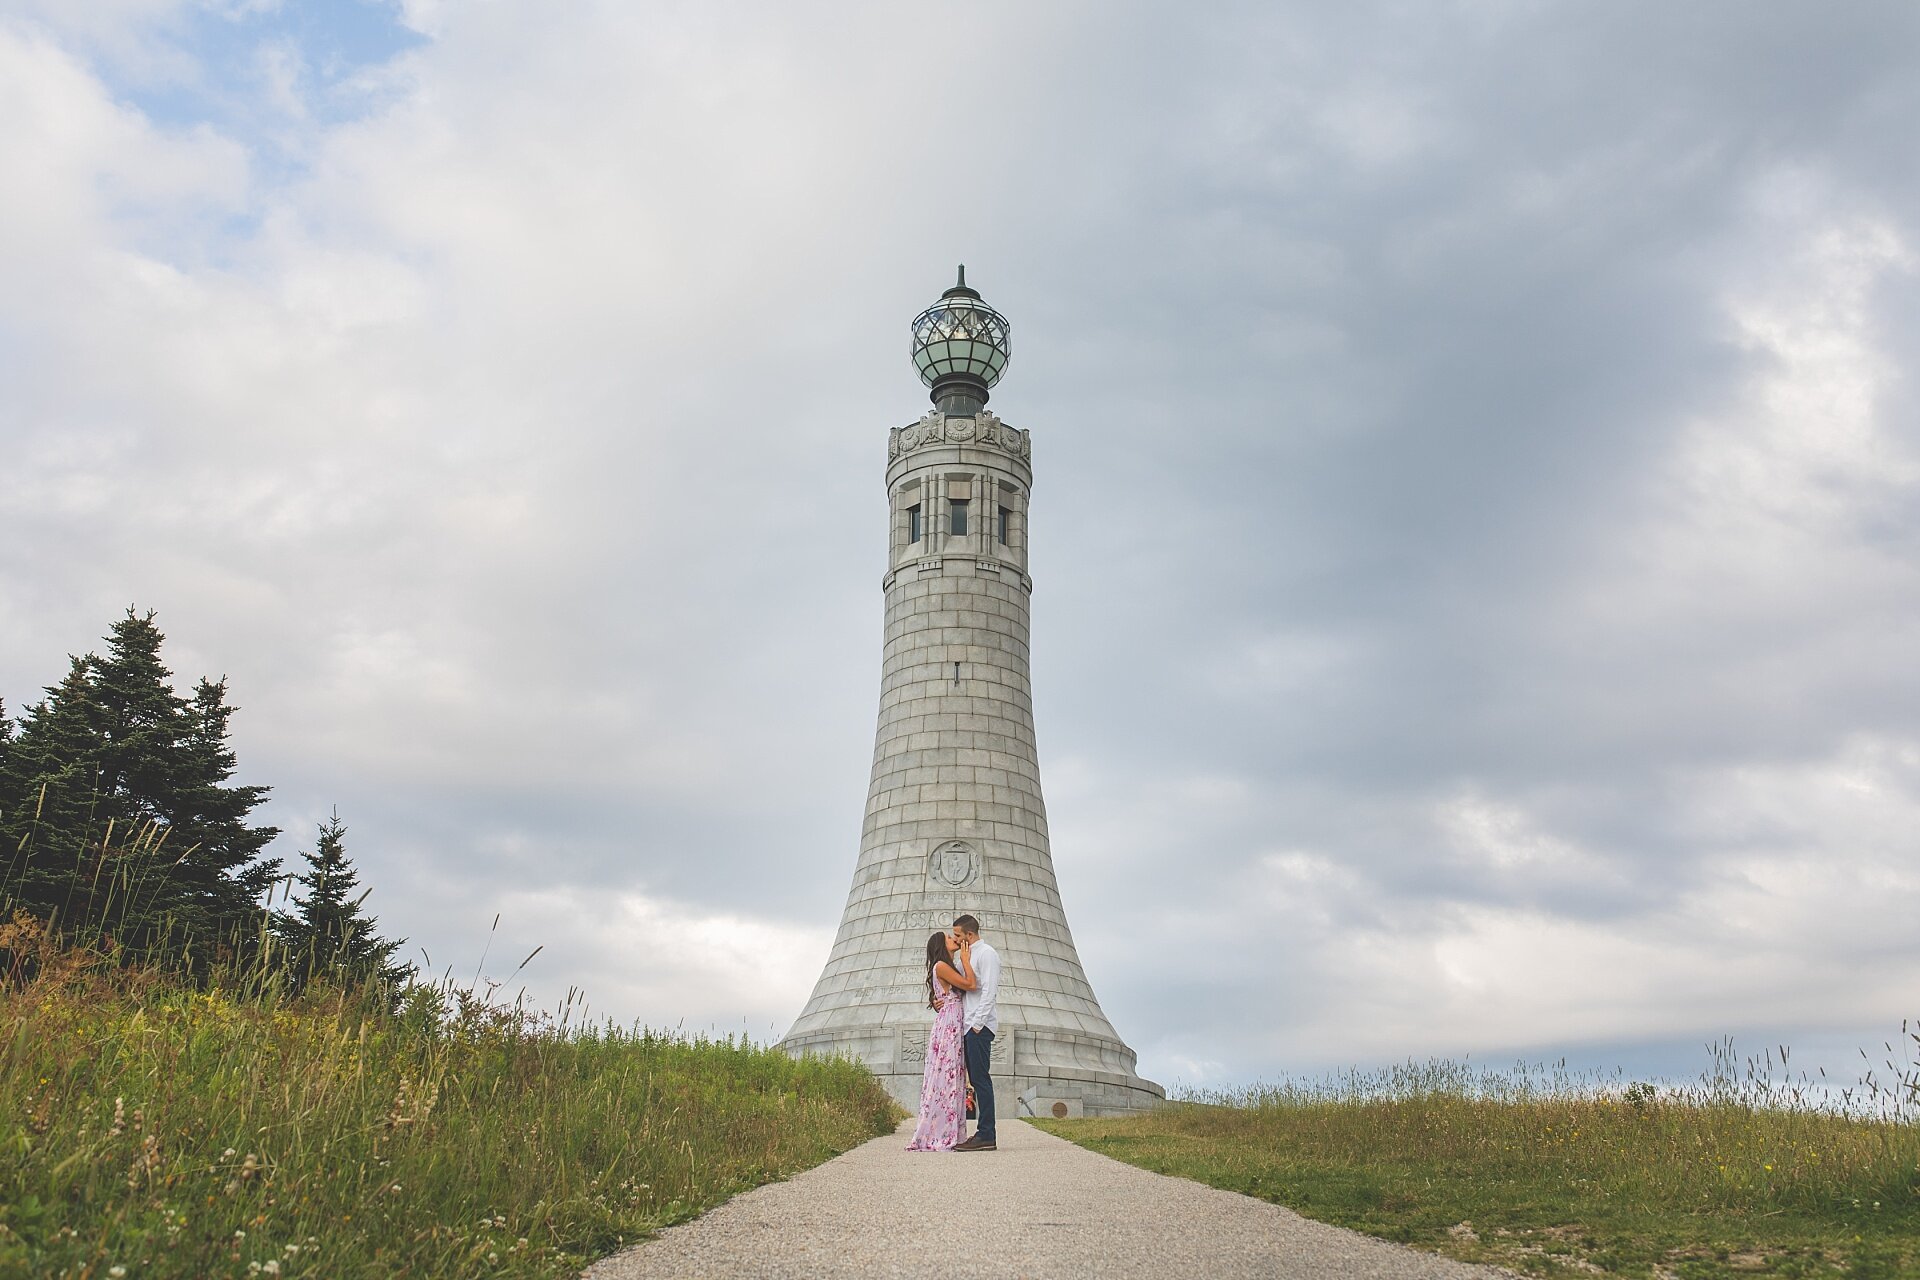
955, 821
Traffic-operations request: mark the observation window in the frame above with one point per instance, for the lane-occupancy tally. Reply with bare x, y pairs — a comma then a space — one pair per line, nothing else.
913, 523
959, 507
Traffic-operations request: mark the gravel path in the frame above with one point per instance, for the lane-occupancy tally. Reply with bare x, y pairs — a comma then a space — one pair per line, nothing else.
1039, 1206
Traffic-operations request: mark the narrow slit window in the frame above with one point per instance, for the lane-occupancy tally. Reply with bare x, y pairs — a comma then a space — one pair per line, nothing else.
913, 523
959, 506
1006, 523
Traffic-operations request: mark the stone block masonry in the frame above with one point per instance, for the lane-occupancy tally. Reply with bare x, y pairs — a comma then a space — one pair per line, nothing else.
955, 821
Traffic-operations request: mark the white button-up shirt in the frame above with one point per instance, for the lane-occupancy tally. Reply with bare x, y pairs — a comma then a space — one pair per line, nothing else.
981, 1006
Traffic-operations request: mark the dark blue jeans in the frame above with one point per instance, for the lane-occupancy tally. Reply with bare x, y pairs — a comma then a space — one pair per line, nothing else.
979, 1045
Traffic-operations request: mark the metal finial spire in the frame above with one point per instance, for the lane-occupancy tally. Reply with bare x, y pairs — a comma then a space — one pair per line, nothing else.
960, 289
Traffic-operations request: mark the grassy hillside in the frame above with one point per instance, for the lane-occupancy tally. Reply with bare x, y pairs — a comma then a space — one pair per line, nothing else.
1739, 1175
150, 1130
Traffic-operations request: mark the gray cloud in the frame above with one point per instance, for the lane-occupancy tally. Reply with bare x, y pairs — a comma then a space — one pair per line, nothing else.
1474, 531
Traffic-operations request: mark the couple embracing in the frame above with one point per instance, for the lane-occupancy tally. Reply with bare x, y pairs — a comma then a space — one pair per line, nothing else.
963, 984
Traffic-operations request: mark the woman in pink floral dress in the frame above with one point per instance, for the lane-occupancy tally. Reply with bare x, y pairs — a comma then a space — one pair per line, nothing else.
943, 1090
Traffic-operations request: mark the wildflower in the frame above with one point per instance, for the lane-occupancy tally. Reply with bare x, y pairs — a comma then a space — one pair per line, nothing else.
493, 1259
146, 1162
228, 1154
271, 1267
395, 1188
116, 1272
119, 1116
239, 1234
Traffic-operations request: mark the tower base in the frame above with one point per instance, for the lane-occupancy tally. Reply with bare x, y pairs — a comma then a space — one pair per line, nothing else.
1032, 1071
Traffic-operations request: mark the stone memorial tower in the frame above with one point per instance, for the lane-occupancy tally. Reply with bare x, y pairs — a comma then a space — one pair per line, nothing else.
954, 819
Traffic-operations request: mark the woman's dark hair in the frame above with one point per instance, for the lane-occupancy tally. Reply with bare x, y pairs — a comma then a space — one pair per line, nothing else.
937, 951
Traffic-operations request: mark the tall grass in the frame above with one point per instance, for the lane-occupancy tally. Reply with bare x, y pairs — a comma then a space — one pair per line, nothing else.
1748, 1169
157, 1128
1746, 1133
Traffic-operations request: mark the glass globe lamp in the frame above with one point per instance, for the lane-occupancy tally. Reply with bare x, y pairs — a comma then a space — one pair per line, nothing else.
961, 347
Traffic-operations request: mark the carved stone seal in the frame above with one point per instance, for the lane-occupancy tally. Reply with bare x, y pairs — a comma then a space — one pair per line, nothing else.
954, 864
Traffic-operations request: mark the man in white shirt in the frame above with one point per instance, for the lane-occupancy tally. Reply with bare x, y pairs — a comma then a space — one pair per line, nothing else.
979, 1009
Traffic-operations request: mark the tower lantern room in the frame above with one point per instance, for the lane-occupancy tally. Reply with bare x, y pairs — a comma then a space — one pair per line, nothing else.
961, 347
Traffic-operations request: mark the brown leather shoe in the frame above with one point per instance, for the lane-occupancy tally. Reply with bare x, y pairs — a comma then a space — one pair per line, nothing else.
974, 1144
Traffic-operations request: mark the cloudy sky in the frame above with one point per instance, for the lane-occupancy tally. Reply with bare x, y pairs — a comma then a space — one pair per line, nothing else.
1477, 527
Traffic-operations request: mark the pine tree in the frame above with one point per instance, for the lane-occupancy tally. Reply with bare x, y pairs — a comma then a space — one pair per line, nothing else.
139, 718
11, 855
115, 811
51, 784
328, 937
221, 865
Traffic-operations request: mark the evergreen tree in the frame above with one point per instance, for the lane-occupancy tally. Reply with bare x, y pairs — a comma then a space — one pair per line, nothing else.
139, 718
115, 811
51, 786
221, 865
11, 856
328, 936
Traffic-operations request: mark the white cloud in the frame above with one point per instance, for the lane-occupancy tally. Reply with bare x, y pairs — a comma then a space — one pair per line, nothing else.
90, 175
1475, 566
1811, 449
652, 960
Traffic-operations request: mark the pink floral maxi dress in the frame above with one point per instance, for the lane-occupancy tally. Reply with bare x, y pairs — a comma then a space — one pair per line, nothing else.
943, 1089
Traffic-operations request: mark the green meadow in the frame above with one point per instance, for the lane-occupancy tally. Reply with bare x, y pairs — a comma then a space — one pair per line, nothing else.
162, 1129
1743, 1173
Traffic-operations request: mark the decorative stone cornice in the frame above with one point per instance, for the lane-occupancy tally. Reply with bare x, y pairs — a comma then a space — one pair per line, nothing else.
936, 428
958, 562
